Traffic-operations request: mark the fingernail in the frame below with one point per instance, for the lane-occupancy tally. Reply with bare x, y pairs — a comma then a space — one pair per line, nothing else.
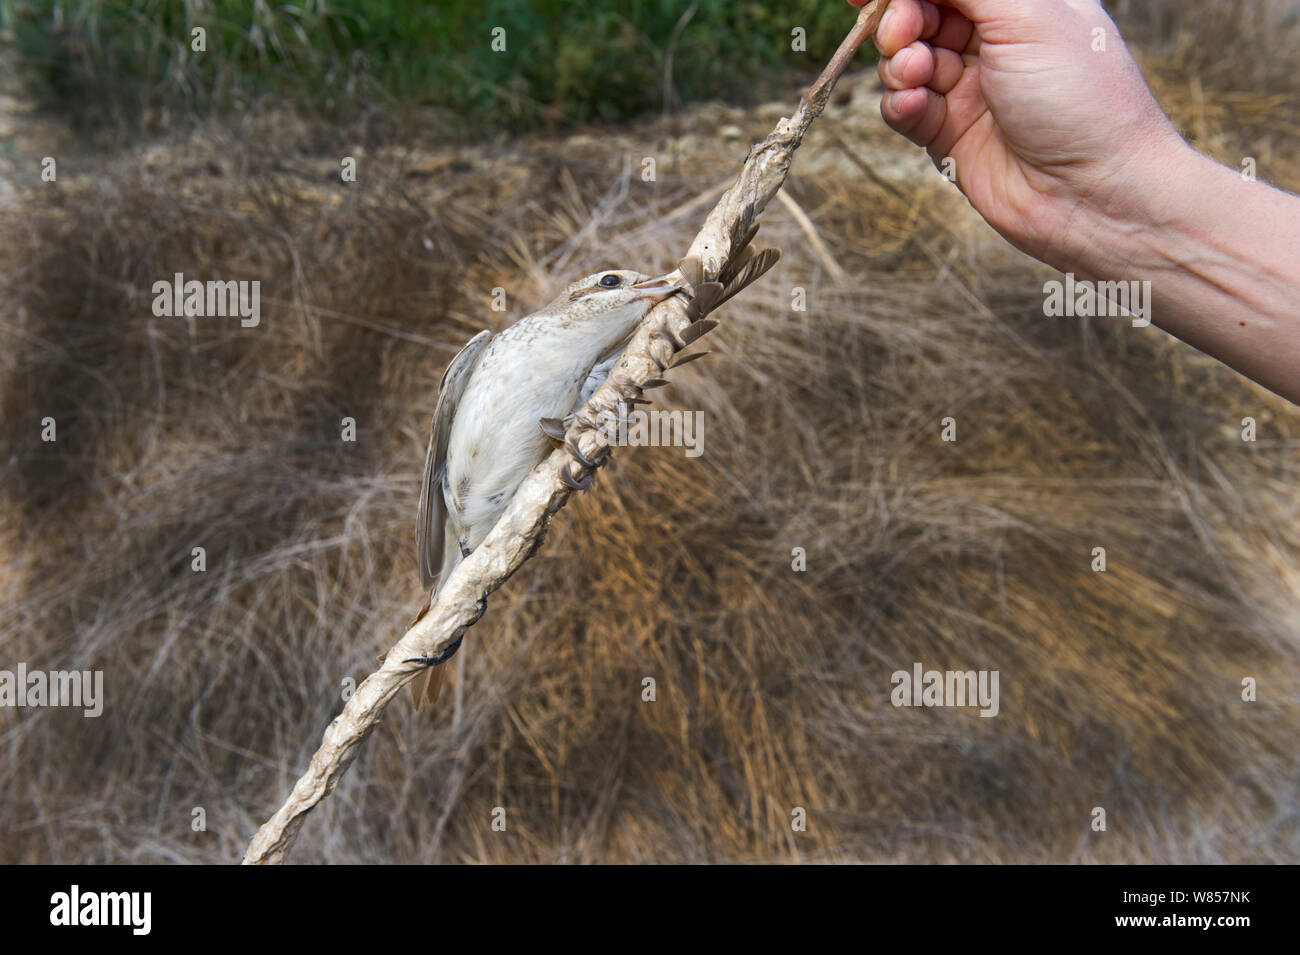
900, 61
896, 100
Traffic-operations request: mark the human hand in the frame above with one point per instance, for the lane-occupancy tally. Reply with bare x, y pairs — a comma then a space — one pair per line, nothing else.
1054, 136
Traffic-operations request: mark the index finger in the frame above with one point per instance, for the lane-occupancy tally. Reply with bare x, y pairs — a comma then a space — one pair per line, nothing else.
905, 22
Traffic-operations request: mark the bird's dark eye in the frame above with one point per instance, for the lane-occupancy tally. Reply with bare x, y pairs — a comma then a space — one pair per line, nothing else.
611, 280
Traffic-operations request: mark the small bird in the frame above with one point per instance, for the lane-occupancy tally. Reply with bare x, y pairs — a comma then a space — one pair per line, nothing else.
504, 402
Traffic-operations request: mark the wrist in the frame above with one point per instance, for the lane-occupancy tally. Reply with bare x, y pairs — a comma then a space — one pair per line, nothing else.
1218, 250
1135, 227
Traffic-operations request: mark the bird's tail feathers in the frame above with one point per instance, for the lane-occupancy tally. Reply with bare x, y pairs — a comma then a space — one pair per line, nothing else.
426, 687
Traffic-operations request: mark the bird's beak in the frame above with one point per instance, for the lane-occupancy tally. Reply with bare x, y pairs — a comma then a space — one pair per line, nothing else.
660, 287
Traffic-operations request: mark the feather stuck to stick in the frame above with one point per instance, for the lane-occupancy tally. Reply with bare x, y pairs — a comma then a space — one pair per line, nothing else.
742, 267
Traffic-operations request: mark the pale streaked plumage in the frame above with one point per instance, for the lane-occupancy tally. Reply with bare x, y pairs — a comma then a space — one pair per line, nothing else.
498, 394
486, 438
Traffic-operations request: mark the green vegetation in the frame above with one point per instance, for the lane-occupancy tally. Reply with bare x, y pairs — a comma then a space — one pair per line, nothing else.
564, 61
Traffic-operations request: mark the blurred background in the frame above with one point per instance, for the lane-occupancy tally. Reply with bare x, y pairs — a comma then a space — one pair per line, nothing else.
522, 170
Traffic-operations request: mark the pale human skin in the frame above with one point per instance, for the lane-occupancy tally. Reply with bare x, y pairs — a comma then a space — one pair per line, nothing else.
1065, 152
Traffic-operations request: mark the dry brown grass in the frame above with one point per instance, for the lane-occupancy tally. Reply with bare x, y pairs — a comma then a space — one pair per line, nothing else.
1118, 689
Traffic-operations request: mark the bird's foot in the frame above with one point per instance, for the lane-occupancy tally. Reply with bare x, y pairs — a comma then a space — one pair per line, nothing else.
442, 656
568, 479
586, 462
449, 651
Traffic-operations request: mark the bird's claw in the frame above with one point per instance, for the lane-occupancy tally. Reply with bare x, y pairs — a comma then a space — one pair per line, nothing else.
443, 655
449, 651
568, 480
586, 462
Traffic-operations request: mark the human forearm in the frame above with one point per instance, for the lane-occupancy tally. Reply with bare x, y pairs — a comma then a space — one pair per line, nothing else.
1222, 254
1043, 114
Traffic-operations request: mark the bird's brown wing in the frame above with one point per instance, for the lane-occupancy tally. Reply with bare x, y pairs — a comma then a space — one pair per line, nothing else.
433, 509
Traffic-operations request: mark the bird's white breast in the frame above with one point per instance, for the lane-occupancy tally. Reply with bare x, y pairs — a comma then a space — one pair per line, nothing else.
527, 373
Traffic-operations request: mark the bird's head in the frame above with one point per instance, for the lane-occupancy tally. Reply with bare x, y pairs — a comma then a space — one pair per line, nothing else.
615, 297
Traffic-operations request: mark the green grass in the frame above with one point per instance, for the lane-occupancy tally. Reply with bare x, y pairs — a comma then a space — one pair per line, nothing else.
599, 60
